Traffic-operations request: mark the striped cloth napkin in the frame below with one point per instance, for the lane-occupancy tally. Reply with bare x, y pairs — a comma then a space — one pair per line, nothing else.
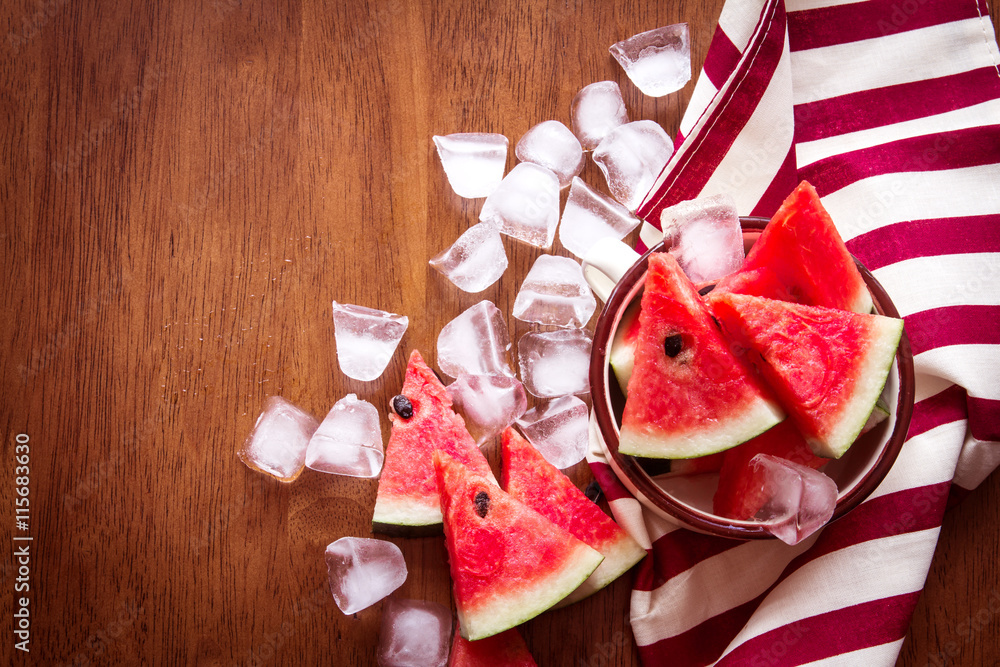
890, 108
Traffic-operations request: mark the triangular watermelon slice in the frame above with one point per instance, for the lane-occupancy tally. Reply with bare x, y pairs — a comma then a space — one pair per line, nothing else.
408, 502
508, 562
801, 257
528, 477
688, 395
506, 649
827, 366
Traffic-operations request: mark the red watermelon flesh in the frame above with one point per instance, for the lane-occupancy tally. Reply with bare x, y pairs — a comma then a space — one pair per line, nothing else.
508, 562
827, 366
408, 501
741, 488
506, 649
688, 395
528, 477
801, 257
700, 464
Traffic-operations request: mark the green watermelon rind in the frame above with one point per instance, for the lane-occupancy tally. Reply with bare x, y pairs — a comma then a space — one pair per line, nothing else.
507, 611
869, 385
620, 555
759, 416
405, 518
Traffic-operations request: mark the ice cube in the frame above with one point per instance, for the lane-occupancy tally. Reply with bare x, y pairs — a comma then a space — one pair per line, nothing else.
277, 444
489, 403
525, 205
590, 216
366, 339
476, 260
631, 157
415, 633
596, 110
555, 363
657, 61
553, 146
559, 430
706, 235
349, 441
362, 571
475, 343
473, 161
555, 292
799, 502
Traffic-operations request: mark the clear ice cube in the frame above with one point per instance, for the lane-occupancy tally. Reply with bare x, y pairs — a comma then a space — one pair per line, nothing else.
366, 339
277, 444
473, 162
525, 205
553, 146
349, 441
415, 633
596, 110
476, 342
657, 61
555, 363
706, 235
555, 292
590, 216
559, 430
362, 571
631, 157
799, 500
476, 260
488, 403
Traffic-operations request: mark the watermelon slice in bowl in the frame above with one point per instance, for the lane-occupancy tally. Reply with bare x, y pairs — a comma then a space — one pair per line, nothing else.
687, 499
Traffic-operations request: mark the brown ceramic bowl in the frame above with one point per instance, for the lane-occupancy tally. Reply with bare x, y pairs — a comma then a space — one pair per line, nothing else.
687, 499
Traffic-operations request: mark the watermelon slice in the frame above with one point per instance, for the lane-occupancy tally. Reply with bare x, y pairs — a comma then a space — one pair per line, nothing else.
801, 257
622, 354
508, 562
827, 366
688, 395
408, 502
506, 649
528, 477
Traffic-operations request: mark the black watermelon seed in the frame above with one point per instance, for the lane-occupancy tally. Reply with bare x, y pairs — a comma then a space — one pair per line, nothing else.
482, 501
401, 406
706, 289
593, 491
672, 345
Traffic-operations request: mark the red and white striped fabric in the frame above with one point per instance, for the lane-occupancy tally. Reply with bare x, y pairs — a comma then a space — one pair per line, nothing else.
892, 111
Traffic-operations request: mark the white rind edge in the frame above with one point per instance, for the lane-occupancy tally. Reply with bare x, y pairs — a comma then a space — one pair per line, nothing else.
619, 557
406, 514
505, 611
871, 381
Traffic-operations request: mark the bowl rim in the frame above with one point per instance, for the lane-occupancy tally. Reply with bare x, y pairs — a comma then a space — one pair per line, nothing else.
652, 495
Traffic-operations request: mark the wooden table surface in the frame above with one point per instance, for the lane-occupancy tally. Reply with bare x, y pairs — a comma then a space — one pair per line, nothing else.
186, 186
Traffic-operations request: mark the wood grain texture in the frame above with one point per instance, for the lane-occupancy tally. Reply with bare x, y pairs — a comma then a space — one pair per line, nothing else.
185, 187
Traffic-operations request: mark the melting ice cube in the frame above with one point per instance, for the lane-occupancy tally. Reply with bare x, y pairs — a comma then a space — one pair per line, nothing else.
362, 571
559, 430
555, 292
553, 146
525, 205
476, 260
596, 110
473, 161
277, 444
555, 363
489, 403
590, 216
349, 441
631, 157
475, 343
799, 502
657, 61
366, 339
415, 633
706, 234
